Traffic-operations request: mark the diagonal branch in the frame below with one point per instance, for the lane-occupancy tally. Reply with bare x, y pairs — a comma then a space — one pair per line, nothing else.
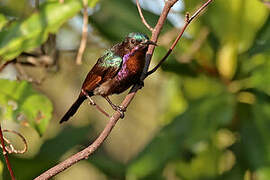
84, 154
142, 17
188, 21
155, 34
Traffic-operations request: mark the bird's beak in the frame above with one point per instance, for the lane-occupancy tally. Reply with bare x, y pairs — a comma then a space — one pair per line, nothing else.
151, 42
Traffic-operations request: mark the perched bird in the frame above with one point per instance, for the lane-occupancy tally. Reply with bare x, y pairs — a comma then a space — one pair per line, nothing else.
118, 69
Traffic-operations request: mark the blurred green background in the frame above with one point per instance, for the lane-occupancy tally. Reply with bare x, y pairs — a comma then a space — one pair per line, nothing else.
204, 115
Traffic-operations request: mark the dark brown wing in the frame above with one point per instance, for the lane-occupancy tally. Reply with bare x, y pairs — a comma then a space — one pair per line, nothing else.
101, 72
105, 68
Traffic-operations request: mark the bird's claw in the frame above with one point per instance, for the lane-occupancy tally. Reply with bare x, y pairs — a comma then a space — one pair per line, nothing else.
121, 110
140, 83
92, 103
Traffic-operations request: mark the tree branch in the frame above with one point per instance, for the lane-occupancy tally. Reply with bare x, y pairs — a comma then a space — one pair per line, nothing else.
84, 33
155, 34
142, 17
84, 154
187, 22
5, 153
266, 3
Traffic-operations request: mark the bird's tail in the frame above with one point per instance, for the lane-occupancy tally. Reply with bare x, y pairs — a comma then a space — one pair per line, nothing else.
72, 110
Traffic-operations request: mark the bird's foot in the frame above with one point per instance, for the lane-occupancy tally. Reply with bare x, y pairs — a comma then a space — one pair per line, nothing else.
91, 101
140, 83
120, 109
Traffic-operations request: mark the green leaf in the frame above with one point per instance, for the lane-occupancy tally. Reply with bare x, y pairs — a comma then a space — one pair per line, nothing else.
238, 24
263, 173
195, 167
262, 40
198, 123
3, 21
33, 31
172, 65
51, 152
201, 86
259, 69
254, 147
19, 102
244, 26
92, 3
108, 165
15, 8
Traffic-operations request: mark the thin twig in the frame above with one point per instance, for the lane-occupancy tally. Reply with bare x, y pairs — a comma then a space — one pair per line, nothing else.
5, 153
188, 21
154, 38
10, 148
84, 154
172, 11
142, 17
102, 110
92, 103
266, 3
84, 33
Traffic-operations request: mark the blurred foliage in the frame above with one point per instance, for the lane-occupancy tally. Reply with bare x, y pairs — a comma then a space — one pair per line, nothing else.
220, 72
184, 132
34, 30
20, 103
117, 17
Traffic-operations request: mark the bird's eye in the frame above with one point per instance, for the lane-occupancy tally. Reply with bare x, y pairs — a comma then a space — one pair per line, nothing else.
133, 41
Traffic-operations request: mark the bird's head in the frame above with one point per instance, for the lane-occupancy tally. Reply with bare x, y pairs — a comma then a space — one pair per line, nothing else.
138, 41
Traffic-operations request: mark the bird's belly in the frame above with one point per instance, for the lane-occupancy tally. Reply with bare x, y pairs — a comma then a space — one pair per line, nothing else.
116, 85
103, 89
128, 75
125, 83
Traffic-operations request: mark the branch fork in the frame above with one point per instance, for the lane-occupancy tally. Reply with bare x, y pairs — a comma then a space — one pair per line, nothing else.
142, 17
84, 154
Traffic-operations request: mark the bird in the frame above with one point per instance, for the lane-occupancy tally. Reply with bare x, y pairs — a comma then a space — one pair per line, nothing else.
115, 71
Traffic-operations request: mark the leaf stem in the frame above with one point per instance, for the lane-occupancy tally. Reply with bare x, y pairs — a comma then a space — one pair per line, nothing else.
5, 153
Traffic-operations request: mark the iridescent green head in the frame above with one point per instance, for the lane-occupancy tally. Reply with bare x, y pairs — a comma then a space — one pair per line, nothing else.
138, 36
138, 41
